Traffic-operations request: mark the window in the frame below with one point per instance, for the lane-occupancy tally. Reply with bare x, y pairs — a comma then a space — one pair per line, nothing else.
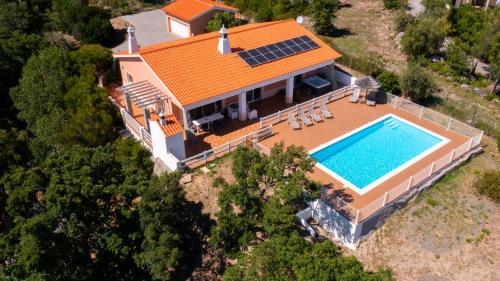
253, 95
130, 79
205, 110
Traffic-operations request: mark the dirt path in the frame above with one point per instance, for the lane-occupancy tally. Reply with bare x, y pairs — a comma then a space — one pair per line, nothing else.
366, 25
449, 233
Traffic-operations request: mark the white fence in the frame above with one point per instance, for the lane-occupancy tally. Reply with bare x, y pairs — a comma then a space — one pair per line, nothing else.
216, 152
420, 177
136, 129
282, 115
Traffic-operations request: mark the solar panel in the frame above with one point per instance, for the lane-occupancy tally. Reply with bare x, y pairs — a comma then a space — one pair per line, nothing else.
278, 50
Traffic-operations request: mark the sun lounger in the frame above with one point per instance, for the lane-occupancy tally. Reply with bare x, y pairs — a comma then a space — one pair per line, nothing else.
293, 123
304, 118
324, 110
355, 95
315, 116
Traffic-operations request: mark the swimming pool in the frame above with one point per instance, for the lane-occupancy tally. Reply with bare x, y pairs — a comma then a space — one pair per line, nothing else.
371, 154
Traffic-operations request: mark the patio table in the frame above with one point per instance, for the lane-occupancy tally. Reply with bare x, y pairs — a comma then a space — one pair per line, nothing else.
207, 120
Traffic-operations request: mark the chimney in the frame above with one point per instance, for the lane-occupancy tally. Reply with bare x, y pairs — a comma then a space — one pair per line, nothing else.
132, 41
163, 120
223, 46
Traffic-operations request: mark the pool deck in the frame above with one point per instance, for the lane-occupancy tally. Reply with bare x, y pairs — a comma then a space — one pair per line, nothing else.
347, 117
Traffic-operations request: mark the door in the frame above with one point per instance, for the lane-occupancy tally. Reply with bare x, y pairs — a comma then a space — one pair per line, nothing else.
179, 28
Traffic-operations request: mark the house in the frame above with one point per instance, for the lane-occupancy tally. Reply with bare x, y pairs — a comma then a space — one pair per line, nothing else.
218, 75
484, 3
190, 17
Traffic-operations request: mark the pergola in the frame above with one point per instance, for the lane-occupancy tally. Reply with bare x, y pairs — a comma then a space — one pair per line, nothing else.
368, 84
146, 96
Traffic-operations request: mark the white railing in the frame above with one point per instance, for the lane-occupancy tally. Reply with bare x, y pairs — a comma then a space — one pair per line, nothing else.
435, 117
216, 152
416, 180
282, 115
136, 129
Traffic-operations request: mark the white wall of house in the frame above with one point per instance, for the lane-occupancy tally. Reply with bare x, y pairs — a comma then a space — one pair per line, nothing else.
336, 224
160, 146
179, 28
344, 78
175, 145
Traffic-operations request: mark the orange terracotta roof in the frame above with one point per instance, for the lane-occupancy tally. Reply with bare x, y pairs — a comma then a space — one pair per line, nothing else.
187, 10
194, 70
172, 127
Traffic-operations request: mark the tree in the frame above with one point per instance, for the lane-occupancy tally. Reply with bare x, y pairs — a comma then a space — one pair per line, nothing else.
390, 82
225, 18
467, 22
394, 4
416, 83
292, 258
457, 59
424, 38
323, 14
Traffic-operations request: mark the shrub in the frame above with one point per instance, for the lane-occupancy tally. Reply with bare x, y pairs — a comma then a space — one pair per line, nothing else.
457, 59
323, 13
226, 19
393, 4
424, 38
403, 20
390, 82
416, 83
489, 184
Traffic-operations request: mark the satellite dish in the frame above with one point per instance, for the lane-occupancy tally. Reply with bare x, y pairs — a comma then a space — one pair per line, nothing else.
300, 19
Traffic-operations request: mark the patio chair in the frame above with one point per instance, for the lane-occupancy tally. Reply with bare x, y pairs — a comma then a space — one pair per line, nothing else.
315, 116
371, 99
324, 110
293, 123
355, 95
304, 118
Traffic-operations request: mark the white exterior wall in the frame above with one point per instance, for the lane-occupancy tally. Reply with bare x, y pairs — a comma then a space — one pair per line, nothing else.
336, 224
344, 78
175, 145
160, 147
179, 28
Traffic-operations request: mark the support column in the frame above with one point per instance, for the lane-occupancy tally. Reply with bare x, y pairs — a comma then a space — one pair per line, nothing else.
128, 102
147, 115
289, 90
330, 74
242, 106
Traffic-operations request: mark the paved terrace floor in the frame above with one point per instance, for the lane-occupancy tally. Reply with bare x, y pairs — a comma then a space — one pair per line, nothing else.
232, 129
347, 117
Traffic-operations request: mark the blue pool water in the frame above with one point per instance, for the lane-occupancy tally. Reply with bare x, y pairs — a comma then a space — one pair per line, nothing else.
371, 153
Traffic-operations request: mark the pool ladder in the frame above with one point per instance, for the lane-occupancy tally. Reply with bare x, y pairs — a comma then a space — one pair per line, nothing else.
391, 124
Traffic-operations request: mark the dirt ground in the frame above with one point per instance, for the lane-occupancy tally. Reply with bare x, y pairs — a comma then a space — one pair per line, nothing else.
364, 25
201, 188
449, 233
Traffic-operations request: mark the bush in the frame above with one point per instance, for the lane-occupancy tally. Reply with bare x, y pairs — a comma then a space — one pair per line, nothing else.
393, 4
226, 19
323, 13
390, 82
403, 20
489, 184
416, 83
457, 59
424, 38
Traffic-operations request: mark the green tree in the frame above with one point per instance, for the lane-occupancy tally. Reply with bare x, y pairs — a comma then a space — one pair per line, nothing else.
467, 22
225, 18
292, 258
457, 59
424, 38
323, 14
416, 83
390, 82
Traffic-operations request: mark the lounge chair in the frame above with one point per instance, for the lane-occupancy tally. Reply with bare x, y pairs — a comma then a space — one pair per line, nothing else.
304, 118
371, 99
324, 110
293, 123
355, 95
315, 116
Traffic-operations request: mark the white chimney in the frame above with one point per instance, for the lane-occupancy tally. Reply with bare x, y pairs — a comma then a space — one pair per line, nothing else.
132, 41
223, 46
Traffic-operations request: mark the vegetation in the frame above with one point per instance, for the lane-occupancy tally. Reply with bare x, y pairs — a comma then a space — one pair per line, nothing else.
390, 82
394, 4
416, 83
323, 13
292, 258
226, 19
424, 38
489, 184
